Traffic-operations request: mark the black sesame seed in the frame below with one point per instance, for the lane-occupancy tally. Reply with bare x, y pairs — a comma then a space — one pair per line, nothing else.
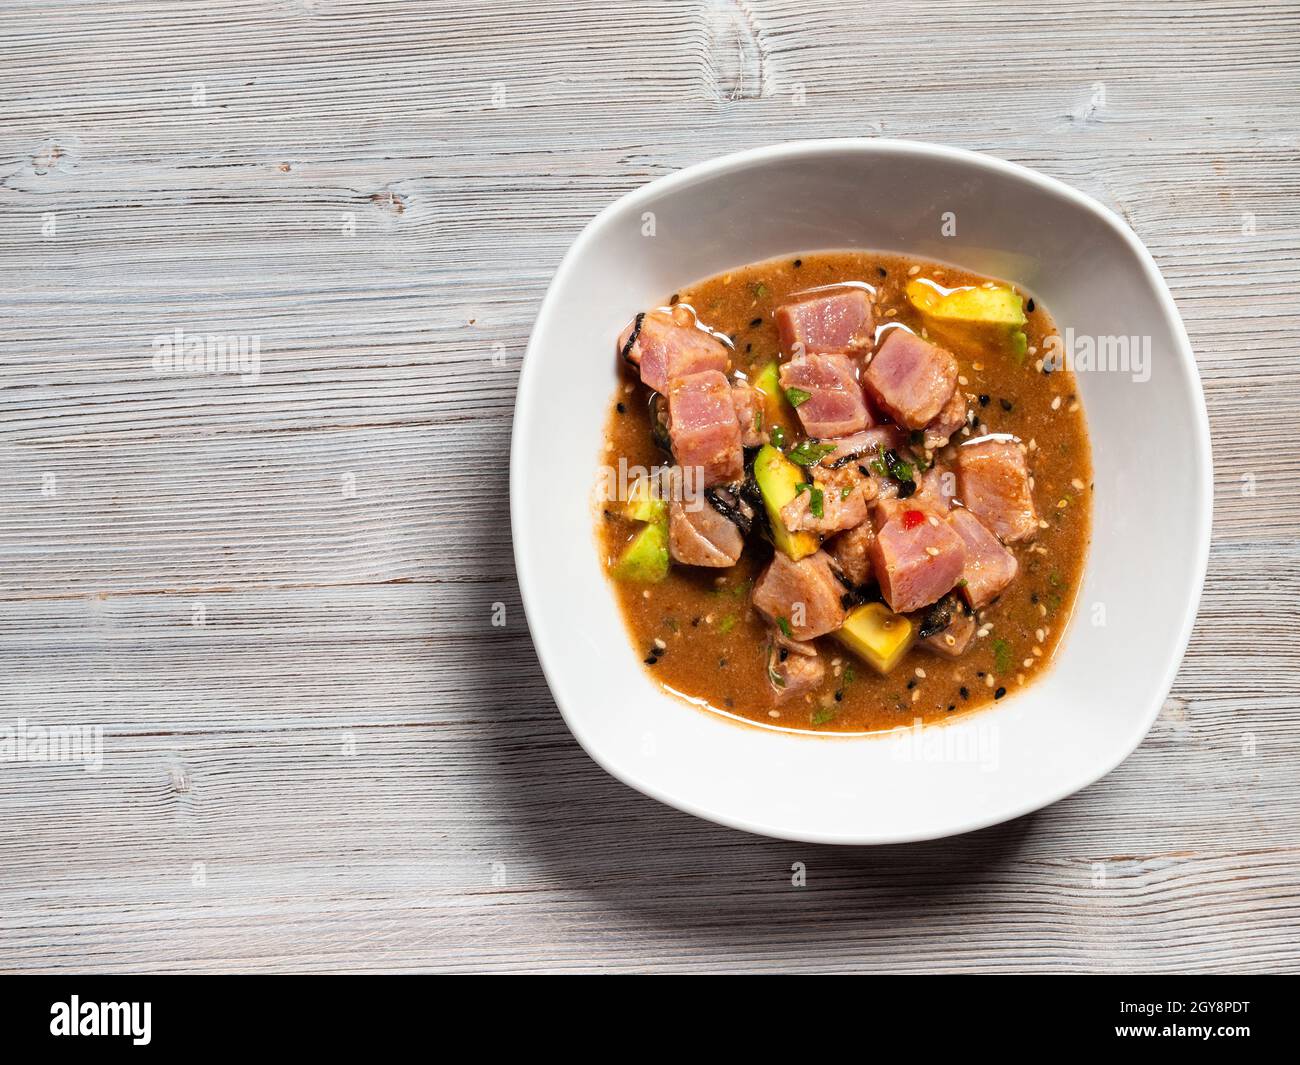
674, 298
783, 653
695, 623
964, 693
722, 663
621, 409
755, 322
651, 661
1030, 305
749, 347
1006, 405
952, 707
798, 263
911, 684
999, 693
839, 697
984, 401
980, 673
882, 271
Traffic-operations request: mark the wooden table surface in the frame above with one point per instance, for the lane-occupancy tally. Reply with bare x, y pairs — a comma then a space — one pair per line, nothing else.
275, 596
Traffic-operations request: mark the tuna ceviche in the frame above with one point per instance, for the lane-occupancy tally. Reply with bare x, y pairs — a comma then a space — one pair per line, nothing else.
853, 491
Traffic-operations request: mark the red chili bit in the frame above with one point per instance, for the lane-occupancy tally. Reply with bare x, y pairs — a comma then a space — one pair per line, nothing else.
912, 518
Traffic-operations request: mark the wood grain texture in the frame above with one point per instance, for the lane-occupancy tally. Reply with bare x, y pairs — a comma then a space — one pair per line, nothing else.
345, 766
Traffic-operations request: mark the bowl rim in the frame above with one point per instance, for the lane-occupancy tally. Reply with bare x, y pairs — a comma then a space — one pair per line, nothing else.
869, 146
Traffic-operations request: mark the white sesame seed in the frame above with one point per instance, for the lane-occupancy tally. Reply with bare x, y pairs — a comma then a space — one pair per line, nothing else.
920, 672
1042, 610
1061, 504
931, 551
660, 644
988, 681
774, 713
1038, 652
915, 695
891, 312
1033, 444
1027, 663
1056, 403
1078, 484
933, 520
962, 381
1039, 366
912, 271
1040, 635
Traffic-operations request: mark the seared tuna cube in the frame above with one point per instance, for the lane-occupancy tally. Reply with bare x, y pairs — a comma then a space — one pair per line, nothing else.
910, 379
667, 345
703, 427
802, 597
993, 482
793, 667
823, 509
842, 323
851, 551
698, 535
916, 561
952, 641
947, 421
989, 568
826, 395
749, 412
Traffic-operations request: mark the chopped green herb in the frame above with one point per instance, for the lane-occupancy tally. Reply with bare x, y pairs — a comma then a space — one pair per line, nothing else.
1001, 656
849, 676
758, 421
671, 623
846, 491
961, 583
809, 452
816, 503
727, 624
784, 625
802, 486
760, 290
778, 437
824, 714
797, 396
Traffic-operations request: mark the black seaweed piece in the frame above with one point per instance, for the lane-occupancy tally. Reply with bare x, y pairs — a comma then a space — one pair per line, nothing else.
728, 502
659, 422
626, 353
936, 619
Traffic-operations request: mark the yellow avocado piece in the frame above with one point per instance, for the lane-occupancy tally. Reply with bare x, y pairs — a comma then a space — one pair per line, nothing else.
1000, 305
644, 505
645, 559
776, 411
778, 480
878, 635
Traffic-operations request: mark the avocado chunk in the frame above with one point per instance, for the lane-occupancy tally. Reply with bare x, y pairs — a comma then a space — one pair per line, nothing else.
877, 635
996, 312
778, 481
645, 559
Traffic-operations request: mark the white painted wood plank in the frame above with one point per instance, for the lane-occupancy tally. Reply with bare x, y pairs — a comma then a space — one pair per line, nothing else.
371, 776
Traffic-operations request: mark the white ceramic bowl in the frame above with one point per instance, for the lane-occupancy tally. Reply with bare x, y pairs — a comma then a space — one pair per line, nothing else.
1151, 512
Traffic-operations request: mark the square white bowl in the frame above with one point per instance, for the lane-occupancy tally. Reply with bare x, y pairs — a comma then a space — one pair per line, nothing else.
1150, 519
